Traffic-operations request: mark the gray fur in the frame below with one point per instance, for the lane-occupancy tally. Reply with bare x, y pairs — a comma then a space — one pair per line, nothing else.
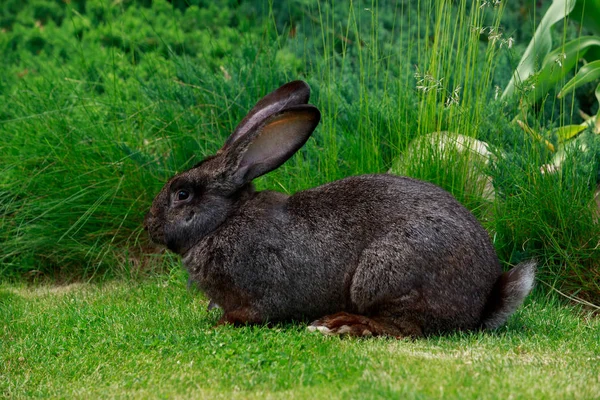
513, 286
401, 252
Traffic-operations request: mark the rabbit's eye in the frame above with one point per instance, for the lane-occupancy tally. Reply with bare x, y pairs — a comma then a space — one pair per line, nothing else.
182, 195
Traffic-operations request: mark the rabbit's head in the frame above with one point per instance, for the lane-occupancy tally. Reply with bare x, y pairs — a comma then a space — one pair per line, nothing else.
195, 202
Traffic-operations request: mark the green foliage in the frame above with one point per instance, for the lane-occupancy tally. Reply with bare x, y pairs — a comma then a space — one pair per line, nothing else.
542, 69
540, 45
550, 66
552, 216
89, 109
102, 101
548, 206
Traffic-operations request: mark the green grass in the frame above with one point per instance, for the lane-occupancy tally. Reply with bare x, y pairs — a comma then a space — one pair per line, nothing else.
154, 339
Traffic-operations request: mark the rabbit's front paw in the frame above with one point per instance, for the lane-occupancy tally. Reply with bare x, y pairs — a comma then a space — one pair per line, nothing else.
240, 316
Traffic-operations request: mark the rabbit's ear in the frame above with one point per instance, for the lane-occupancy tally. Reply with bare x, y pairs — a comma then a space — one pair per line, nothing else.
289, 95
271, 144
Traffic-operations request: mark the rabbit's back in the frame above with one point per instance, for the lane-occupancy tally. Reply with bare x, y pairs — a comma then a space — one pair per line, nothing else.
414, 242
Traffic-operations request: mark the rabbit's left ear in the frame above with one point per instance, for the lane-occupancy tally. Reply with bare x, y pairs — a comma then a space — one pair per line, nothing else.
289, 95
271, 144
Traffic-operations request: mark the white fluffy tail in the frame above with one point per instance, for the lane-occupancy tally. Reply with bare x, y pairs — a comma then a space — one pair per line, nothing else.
508, 294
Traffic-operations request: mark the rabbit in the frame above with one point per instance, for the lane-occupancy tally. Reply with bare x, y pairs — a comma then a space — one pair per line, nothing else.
362, 256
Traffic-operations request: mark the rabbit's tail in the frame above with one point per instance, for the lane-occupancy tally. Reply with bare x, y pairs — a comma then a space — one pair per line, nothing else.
508, 294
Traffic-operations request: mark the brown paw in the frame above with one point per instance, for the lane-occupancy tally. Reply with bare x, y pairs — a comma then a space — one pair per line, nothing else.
240, 317
345, 324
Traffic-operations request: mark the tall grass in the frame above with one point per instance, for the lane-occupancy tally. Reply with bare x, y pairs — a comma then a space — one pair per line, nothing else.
100, 109
553, 216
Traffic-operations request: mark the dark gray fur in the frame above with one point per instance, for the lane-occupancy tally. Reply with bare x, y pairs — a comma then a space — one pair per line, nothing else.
391, 248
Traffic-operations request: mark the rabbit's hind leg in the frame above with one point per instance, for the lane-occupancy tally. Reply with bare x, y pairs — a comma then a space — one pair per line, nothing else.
387, 290
344, 323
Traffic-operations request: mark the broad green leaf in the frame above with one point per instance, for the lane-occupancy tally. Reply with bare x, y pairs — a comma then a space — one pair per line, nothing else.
597, 121
567, 132
540, 44
586, 74
587, 14
559, 62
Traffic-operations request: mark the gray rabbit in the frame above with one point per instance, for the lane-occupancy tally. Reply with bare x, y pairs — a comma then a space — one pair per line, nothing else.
365, 255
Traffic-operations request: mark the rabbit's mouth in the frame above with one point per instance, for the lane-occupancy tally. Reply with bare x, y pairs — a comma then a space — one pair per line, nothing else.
154, 230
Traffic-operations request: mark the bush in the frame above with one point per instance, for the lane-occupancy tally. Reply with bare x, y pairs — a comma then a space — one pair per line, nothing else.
89, 112
553, 216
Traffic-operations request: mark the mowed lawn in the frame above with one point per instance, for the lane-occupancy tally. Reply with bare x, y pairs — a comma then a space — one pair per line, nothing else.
154, 339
